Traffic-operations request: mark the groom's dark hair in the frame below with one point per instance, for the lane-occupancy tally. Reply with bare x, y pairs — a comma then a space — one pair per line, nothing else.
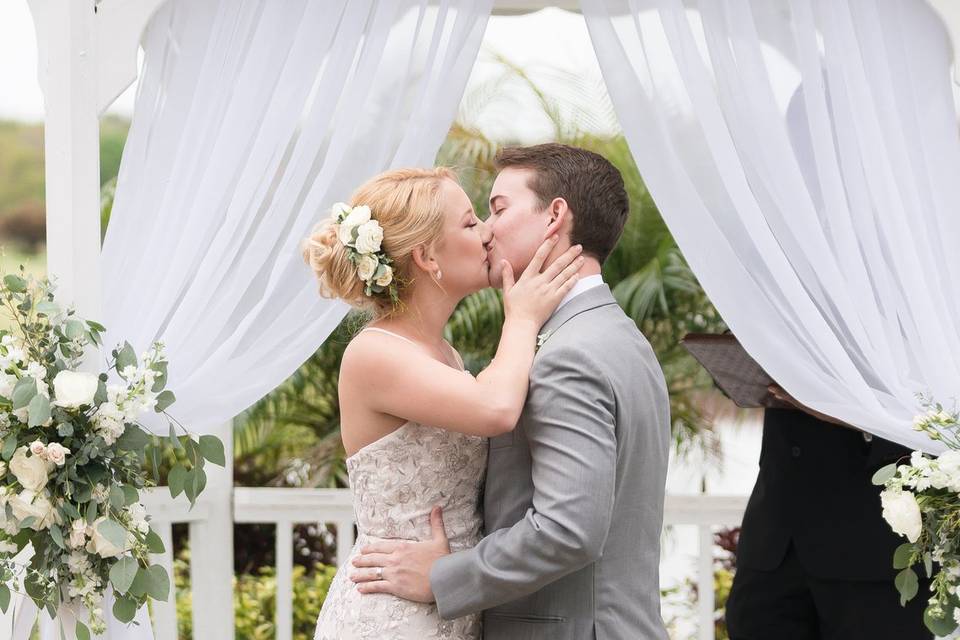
590, 184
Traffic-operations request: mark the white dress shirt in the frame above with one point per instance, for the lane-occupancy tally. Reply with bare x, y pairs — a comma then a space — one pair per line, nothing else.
582, 286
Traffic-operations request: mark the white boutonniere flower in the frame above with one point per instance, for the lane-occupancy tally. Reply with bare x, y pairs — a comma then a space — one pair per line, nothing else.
543, 337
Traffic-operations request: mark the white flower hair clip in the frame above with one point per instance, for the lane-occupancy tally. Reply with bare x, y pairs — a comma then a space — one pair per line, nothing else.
363, 237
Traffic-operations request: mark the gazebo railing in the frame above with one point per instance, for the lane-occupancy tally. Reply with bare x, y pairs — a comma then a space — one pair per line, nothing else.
286, 507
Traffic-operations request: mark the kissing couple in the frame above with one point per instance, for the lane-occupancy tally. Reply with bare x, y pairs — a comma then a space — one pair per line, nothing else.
525, 502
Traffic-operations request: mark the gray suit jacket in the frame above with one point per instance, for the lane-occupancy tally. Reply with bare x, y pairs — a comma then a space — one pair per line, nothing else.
573, 505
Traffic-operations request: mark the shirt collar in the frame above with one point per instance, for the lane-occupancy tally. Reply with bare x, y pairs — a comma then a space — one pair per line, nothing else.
582, 286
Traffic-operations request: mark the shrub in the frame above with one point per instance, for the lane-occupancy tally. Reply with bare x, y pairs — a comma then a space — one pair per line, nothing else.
254, 601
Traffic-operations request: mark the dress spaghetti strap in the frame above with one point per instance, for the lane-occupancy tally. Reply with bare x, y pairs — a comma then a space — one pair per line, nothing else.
390, 333
397, 335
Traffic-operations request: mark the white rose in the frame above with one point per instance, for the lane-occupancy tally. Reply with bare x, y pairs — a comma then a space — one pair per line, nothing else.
358, 216
31, 472
345, 233
3, 467
103, 547
338, 209
37, 448
74, 388
367, 267
369, 237
8, 547
57, 453
901, 511
28, 503
386, 277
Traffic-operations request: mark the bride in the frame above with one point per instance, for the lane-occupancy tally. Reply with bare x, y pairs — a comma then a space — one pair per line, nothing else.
414, 423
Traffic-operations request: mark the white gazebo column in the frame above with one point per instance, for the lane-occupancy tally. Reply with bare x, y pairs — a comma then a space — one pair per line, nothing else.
67, 73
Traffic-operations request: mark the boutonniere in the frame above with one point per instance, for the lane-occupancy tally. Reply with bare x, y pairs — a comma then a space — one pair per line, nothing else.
543, 337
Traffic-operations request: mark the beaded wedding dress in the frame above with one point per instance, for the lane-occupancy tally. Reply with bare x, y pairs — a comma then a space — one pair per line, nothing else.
396, 481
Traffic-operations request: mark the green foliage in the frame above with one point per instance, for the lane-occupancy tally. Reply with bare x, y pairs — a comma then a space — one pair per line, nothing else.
254, 601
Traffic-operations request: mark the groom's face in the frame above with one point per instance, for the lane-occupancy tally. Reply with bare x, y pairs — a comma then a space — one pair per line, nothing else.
517, 223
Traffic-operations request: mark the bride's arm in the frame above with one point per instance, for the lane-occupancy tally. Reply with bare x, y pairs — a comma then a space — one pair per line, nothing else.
399, 379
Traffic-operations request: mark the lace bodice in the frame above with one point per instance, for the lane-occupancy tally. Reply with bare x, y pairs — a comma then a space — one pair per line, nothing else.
395, 482
398, 479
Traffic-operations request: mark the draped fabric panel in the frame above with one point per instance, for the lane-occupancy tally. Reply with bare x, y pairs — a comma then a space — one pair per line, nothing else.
252, 117
804, 154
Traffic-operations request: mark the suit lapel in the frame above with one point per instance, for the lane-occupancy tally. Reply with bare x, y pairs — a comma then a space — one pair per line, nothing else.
591, 299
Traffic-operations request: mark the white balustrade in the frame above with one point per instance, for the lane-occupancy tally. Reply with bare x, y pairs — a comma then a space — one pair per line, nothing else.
286, 507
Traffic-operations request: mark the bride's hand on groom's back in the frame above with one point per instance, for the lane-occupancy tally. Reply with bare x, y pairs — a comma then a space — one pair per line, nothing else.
534, 296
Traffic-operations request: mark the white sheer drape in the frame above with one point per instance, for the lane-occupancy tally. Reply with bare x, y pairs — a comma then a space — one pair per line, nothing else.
823, 227
251, 119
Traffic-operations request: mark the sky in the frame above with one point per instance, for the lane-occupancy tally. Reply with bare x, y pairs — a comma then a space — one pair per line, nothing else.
552, 45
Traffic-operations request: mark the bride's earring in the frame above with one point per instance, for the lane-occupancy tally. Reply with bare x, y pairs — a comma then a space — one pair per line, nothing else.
439, 275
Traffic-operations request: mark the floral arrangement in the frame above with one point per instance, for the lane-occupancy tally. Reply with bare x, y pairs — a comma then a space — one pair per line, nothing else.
921, 501
363, 236
73, 462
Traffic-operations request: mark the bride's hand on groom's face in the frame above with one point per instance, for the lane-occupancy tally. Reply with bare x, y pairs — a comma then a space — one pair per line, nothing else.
534, 296
401, 568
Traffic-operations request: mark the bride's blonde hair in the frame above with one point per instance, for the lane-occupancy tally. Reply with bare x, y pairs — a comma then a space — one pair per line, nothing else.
408, 205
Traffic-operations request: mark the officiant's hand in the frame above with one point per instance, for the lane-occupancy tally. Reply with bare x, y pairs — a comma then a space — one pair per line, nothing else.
405, 565
781, 394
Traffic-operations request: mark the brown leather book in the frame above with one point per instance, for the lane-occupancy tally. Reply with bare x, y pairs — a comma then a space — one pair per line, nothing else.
733, 370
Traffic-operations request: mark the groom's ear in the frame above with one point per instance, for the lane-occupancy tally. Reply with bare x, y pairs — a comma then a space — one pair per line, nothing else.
558, 213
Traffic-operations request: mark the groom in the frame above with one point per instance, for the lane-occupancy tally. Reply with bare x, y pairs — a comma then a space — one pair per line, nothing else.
573, 505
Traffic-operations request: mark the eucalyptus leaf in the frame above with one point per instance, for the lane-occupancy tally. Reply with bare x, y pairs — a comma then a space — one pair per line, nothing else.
23, 392
57, 536
941, 627
48, 308
155, 542
9, 446
127, 357
133, 439
38, 410
176, 479
4, 597
901, 556
130, 495
14, 283
81, 631
75, 328
164, 400
124, 608
174, 440
116, 497
884, 473
70, 510
114, 532
907, 584
92, 511
158, 583
212, 449
123, 572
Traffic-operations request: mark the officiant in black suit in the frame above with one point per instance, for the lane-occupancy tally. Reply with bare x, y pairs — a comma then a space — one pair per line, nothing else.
815, 558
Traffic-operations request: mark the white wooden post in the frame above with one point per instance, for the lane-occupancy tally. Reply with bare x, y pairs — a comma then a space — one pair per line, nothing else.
211, 550
67, 60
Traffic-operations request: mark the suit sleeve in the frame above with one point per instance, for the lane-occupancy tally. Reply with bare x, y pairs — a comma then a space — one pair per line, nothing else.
569, 422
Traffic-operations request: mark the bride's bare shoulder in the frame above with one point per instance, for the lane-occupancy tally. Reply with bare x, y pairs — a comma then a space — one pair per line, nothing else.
373, 352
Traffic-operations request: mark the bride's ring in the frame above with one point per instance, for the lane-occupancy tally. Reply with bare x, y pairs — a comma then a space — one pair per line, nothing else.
379, 573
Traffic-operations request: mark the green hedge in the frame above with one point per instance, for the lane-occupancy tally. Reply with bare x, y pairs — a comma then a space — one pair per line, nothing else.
254, 601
